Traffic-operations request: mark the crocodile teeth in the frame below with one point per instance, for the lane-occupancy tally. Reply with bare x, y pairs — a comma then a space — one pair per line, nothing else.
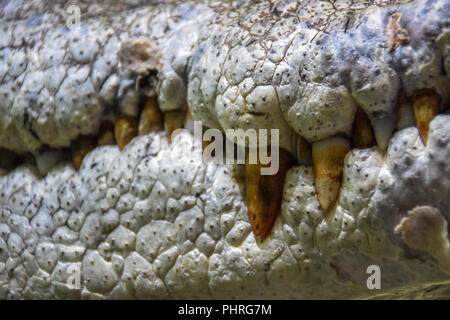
303, 152
264, 194
426, 106
173, 120
328, 159
363, 136
80, 147
125, 129
151, 117
383, 129
405, 116
106, 134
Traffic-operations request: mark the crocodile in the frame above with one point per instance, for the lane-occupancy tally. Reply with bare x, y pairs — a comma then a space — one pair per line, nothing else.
359, 94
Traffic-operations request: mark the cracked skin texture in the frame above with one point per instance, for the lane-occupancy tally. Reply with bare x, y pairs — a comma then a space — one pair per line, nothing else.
155, 221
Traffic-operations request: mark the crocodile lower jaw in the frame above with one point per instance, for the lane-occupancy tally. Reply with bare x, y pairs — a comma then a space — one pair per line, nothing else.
156, 221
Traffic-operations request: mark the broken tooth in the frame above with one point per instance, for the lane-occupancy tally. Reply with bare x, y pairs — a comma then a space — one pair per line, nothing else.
80, 148
383, 129
426, 106
363, 136
151, 117
264, 193
173, 120
125, 129
303, 152
405, 116
328, 159
106, 134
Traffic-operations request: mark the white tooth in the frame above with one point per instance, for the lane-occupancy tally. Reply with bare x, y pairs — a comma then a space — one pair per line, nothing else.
383, 129
49, 159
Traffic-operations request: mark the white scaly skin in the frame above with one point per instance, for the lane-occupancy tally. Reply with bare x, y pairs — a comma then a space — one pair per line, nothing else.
154, 221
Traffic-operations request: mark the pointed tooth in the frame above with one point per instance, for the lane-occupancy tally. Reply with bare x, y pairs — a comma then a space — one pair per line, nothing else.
49, 158
125, 129
80, 148
363, 136
328, 158
426, 106
383, 129
151, 117
304, 154
173, 120
405, 117
264, 194
106, 134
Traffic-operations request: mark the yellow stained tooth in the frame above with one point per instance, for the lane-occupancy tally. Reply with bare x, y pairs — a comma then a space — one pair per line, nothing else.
173, 120
303, 152
151, 117
328, 159
264, 194
125, 129
405, 117
80, 148
106, 134
363, 136
426, 106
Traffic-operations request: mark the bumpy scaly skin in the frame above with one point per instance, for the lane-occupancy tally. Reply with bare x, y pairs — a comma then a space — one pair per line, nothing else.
155, 221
